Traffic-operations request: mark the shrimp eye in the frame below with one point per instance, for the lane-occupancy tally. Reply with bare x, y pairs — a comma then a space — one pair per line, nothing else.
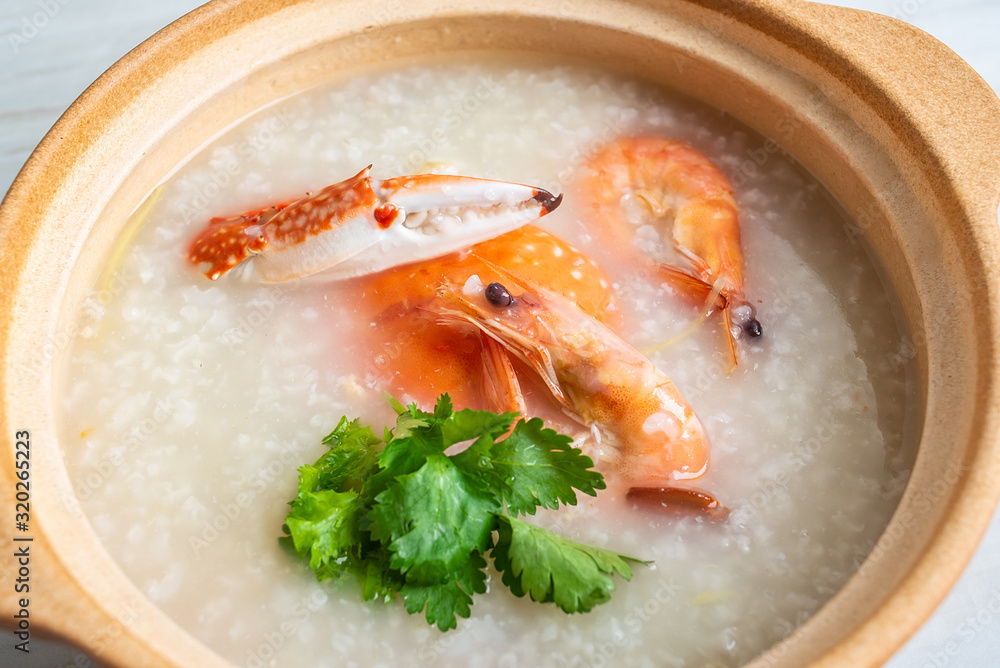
753, 328
497, 295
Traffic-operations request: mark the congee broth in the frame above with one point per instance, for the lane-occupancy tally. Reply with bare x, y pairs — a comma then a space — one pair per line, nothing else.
189, 404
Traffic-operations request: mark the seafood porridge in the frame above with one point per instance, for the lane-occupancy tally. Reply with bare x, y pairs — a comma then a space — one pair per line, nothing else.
190, 403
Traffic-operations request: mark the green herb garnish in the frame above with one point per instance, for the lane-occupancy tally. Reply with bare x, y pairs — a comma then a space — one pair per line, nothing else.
406, 517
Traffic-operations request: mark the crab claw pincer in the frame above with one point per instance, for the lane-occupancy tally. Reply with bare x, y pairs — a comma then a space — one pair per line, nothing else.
364, 225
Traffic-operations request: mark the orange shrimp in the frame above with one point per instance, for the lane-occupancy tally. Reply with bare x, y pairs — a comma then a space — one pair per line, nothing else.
412, 355
416, 356
598, 378
681, 188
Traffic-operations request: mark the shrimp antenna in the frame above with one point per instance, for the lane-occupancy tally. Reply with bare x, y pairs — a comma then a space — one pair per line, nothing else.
710, 305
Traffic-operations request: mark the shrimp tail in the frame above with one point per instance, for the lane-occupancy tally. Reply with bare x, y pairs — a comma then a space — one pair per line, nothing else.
710, 295
690, 285
677, 500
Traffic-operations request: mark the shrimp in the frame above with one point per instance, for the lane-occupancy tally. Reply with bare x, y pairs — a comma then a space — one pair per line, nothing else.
679, 187
599, 379
410, 354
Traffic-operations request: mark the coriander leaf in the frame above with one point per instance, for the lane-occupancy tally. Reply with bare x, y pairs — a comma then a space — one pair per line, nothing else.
408, 423
555, 569
324, 525
535, 466
414, 520
401, 456
447, 427
448, 599
333, 570
466, 425
386, 518
435, 518
417, 436
410, 420
351, 434
420, 434
351, 460
378, 581
475, 461
309, 478
444, 408
394, 403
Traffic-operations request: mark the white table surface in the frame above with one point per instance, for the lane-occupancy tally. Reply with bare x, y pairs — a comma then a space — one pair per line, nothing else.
52, 49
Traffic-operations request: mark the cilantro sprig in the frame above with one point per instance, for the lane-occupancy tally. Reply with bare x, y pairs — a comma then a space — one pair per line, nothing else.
406, 517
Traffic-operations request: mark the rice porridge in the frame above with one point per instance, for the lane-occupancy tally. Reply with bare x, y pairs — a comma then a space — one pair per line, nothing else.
189, 404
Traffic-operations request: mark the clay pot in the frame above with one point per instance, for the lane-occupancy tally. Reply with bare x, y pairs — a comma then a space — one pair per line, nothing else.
899, 129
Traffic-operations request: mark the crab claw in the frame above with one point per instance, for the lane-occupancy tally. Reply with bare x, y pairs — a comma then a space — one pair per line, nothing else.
361, 226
